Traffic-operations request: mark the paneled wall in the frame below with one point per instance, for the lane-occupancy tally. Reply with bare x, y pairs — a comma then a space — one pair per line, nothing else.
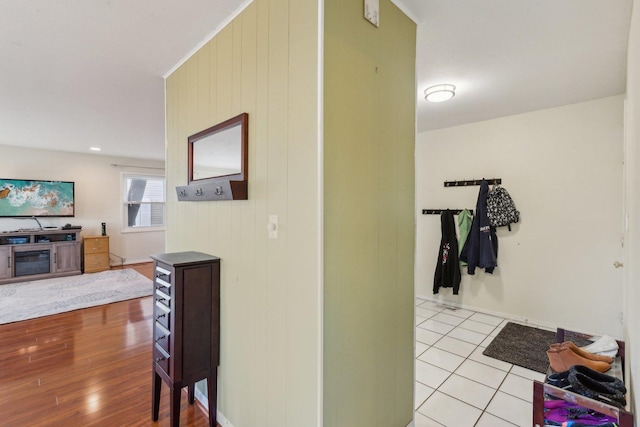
263, 63
369, 134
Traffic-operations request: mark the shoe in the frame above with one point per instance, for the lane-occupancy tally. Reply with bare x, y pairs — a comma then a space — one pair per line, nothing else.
562, 359
592, 389
583, 353
559, 379
603, 345
613, 384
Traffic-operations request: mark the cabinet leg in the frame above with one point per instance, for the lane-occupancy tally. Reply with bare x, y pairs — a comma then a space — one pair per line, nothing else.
174, 406
155, 401
212, 391
191, 393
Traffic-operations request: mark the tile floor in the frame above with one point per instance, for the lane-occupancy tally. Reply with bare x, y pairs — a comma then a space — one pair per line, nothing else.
456, 385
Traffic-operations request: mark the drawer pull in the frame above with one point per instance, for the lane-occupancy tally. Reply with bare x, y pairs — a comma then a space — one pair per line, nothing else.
161, 338
162, 315
160, 359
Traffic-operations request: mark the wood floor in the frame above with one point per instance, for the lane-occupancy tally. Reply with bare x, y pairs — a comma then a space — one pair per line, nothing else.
89, 367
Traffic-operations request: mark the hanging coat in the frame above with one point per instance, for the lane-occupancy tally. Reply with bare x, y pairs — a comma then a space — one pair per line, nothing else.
464, 225
447, 273
481, 247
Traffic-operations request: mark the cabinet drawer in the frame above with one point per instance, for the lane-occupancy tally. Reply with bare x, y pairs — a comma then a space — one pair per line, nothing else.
163, 286
161, 358
163, 337
162, 314
94, 245
96, 262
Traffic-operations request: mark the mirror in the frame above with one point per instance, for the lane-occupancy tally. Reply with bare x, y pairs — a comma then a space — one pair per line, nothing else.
220, 152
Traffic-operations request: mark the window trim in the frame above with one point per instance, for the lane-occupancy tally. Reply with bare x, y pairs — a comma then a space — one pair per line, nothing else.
124, 228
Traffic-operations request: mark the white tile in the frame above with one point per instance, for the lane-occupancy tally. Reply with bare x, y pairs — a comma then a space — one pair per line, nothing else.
472, 325
455, 346
484, 374
435, 326
420, 420
459, 312
427, 337
468, 391
442, 359
430, 375
447, 318
488, 420
467, 336
510, 408
422, 393
479, 357
449, 411
420, 348
527, 373
518, 387
485, 318
425, 312
487, 341
420, 319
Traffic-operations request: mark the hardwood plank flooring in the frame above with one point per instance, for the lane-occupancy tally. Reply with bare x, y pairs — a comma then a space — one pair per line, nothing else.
89, 367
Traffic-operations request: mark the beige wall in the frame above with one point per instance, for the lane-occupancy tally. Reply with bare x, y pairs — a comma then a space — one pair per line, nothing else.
632, 187
263, 63
97, 191
563, 168
369, 134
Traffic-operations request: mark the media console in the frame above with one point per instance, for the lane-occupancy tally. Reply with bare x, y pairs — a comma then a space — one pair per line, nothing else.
39, 253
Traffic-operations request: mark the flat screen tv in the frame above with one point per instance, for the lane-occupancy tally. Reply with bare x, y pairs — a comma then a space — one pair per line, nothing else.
32, 198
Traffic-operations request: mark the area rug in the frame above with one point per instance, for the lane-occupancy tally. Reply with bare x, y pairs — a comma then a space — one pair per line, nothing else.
28, 300
523, 346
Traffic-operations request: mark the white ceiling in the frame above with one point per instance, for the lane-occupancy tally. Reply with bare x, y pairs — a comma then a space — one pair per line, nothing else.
78, 73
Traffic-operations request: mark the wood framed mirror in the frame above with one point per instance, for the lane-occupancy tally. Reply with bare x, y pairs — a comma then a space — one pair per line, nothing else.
218, 161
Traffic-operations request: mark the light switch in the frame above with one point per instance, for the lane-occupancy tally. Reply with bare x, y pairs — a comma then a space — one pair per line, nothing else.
272, 226
372, 11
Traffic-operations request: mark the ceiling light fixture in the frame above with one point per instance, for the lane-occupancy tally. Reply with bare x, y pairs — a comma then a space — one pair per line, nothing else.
439, 93
94, 148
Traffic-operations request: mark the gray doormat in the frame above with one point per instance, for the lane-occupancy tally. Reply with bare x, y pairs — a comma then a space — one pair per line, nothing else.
523, 346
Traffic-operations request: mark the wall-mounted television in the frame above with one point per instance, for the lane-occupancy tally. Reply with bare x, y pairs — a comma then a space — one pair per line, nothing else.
34, 198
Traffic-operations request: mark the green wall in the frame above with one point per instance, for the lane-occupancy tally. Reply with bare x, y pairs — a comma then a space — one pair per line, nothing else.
369, 134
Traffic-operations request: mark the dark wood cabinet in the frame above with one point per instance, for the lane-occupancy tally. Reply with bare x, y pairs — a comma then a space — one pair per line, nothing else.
186, 331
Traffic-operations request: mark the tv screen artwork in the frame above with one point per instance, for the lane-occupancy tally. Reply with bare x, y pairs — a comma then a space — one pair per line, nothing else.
26, 198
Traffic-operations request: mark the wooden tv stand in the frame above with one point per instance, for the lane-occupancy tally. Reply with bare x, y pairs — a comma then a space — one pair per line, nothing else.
39, 254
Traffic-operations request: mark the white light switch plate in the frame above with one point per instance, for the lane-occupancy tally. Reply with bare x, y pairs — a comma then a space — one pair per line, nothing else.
372, 11
272, 226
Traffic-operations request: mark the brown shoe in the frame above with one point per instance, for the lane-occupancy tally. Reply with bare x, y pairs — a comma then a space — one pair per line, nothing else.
562, 359
581, 352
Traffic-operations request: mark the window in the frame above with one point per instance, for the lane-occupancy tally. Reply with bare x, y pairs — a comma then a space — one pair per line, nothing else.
143, 202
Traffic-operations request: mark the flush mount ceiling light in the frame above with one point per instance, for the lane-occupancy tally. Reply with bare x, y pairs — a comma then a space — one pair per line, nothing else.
439, 93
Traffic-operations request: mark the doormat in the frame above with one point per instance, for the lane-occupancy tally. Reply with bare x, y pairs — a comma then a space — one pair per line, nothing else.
523, 346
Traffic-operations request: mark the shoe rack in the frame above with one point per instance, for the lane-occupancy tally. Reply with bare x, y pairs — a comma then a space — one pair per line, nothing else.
542, 391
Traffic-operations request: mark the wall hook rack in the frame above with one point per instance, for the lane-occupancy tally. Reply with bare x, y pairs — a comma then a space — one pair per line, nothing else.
468, 182
439, 211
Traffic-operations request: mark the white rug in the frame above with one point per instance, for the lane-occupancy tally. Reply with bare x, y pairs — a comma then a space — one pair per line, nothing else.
28, 300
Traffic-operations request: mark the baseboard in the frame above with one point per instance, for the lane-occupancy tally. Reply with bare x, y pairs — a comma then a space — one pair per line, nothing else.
509, 316
203, 403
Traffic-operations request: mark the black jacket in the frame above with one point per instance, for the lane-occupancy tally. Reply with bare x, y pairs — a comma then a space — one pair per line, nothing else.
447, 273
481, 247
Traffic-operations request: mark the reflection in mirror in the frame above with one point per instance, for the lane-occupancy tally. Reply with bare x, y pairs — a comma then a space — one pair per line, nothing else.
218, 154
